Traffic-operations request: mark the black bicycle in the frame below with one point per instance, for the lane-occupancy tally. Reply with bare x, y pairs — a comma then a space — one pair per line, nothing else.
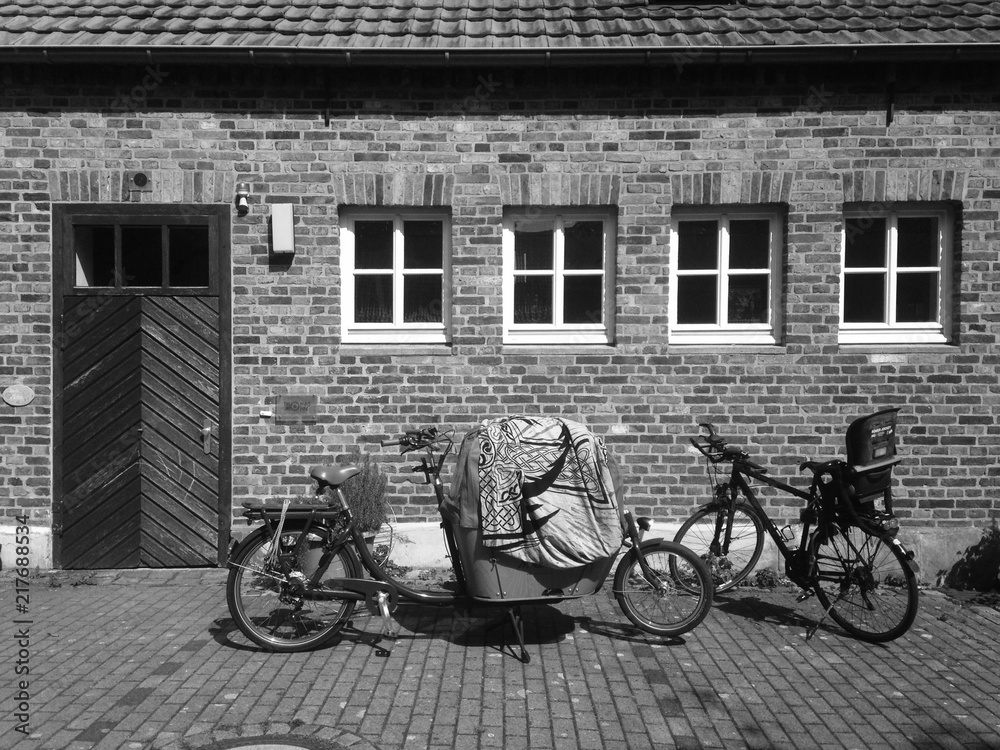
848, 555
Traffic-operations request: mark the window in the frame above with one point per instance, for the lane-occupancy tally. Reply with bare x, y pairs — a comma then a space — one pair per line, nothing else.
724, 277
142, 250
895, 274
395, 272
558, 286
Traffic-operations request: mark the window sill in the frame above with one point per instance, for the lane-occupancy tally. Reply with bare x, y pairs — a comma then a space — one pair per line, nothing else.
396, 349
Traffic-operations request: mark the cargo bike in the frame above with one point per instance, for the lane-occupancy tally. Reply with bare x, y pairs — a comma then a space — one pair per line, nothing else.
534, 516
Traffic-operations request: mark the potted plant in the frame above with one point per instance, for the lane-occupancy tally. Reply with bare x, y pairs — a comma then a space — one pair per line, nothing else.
366, 495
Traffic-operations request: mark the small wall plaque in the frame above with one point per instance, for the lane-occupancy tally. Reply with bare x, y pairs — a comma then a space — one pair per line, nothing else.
18, 395
296, 409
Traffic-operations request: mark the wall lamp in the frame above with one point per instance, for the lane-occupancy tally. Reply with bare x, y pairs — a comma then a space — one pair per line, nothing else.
242, 196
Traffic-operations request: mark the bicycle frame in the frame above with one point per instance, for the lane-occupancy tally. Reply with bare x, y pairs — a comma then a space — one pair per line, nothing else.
738, 482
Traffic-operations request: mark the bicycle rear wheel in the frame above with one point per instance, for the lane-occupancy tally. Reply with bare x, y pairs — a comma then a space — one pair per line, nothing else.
677, 596
868, 582
271, 600
730, 566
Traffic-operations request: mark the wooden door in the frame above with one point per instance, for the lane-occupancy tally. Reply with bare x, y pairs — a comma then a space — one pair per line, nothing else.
140, 407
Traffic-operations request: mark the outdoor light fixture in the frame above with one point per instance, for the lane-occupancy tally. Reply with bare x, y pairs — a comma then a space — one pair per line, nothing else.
242, 194
282, 229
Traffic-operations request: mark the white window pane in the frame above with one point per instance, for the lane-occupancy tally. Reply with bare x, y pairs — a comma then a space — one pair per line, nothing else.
865, 242
584, 243
373, 244
373, 298
748, 299
698, 245
864, 298
422, 244
749, 243
533, 300
422, 299
917, 241
583, 299
697, 300
533, 245
916, 297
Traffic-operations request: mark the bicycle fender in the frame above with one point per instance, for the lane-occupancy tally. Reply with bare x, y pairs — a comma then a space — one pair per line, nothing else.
908, 554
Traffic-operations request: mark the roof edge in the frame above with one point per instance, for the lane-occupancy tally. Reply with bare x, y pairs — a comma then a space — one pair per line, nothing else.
521, 57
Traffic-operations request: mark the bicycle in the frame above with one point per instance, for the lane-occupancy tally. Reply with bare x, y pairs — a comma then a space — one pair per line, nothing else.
848, 555
295, 581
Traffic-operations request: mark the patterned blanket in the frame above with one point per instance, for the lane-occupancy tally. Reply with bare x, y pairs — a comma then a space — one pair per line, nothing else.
541, 489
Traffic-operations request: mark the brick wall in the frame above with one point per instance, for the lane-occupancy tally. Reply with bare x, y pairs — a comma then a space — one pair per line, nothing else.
642, 140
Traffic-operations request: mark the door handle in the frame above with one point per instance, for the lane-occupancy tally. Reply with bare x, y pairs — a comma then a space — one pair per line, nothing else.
206, 436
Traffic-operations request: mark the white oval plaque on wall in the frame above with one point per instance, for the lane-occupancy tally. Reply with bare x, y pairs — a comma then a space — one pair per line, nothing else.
18, 395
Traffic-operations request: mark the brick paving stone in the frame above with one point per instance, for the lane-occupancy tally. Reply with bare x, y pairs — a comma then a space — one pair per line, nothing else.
146, 665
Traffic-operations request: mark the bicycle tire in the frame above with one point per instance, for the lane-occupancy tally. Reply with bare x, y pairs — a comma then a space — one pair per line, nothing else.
866, 583
745, 547
275, 613
677, 601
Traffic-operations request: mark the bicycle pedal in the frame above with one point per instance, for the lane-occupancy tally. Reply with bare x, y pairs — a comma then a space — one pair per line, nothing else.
803, 596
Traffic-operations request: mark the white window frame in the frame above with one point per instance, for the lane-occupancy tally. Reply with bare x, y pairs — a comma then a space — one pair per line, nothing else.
890, 331
723, 332
560, 332
398, 331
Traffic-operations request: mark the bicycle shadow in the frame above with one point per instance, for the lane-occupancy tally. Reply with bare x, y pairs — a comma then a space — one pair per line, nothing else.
765, 609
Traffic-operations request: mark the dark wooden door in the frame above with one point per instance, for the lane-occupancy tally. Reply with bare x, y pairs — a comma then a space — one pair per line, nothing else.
141, 386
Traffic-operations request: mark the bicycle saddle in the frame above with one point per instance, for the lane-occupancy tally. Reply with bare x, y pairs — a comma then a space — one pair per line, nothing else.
333, 475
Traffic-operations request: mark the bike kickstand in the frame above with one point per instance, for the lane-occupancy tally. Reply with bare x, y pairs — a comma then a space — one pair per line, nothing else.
812, 630
388, 625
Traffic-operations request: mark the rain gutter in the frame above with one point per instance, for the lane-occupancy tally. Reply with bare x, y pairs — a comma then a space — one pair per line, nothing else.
508, 57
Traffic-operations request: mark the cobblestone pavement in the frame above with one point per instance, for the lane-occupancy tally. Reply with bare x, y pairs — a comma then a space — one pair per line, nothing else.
152, 661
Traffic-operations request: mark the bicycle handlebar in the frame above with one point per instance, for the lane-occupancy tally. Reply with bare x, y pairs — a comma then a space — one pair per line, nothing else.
714, 447
415, 439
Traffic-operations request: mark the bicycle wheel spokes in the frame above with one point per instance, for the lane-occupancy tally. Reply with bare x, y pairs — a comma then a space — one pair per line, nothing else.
673, 598
279, 608
868, 583
728, 567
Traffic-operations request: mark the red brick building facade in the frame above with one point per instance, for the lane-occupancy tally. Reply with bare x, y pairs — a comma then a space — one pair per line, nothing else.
774, 244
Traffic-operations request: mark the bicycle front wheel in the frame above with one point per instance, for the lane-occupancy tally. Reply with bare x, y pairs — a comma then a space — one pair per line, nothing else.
868, 583
270, 596
727, 564
674, 598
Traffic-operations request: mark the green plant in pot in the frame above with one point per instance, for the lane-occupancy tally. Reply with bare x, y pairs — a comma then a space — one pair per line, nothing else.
366, 495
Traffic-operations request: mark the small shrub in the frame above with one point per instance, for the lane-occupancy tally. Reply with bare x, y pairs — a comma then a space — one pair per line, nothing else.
366, 493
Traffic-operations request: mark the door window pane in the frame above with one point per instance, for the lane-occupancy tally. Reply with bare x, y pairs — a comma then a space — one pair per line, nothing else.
95, 255
189, 256
142, 256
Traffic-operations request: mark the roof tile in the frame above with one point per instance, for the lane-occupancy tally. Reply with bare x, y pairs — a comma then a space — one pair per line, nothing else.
367, 24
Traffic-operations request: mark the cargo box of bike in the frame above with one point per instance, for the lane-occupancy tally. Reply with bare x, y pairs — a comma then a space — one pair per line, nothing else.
535, 516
